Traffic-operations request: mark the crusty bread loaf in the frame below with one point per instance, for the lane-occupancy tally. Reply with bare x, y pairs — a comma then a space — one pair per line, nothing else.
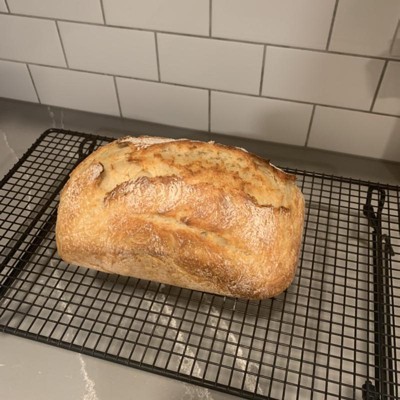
198, 215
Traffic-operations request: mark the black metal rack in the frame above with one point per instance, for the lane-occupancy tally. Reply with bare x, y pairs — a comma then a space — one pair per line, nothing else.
334, 333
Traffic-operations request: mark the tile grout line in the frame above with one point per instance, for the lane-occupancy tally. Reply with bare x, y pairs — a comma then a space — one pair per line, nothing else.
118, 99
210, 19
33, 83
328, 42
204, 88
310, 125
102, 11
324, 51
262, 69
7, 6
396, 31
62, 44
209, 110
157, 57
378, 86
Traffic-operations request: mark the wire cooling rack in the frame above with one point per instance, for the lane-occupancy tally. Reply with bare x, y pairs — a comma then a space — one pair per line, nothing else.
334, 333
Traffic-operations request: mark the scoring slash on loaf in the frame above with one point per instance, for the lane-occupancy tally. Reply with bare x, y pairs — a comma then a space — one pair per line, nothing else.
199, 215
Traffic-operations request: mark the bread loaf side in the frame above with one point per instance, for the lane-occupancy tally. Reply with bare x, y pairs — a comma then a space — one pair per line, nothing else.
199, 215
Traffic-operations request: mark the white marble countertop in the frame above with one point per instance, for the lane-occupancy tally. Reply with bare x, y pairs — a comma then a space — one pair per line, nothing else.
31, 370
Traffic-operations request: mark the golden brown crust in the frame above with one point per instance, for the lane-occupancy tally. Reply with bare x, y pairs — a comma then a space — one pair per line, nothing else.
199, 215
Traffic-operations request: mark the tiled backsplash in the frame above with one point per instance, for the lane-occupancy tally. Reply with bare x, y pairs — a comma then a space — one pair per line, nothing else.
318, 73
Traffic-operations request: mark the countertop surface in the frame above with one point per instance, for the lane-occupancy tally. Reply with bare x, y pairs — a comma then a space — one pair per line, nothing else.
31, 370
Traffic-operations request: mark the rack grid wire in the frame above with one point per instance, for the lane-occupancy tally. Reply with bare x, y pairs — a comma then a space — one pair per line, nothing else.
335, 333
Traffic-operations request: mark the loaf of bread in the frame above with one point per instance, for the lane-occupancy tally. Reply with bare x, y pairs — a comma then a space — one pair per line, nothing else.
198, 215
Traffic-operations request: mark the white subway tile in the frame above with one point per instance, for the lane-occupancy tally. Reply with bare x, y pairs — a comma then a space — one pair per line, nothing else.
296, 23
164, 104
3, 7
30, 39
76, 90
184, 16
365, 26
15, 82
355, 132
388, 100
260, 118
210, 63
76, 10
324, 78
110, 50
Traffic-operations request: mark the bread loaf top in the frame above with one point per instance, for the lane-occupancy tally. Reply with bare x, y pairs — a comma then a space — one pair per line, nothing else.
193, 214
